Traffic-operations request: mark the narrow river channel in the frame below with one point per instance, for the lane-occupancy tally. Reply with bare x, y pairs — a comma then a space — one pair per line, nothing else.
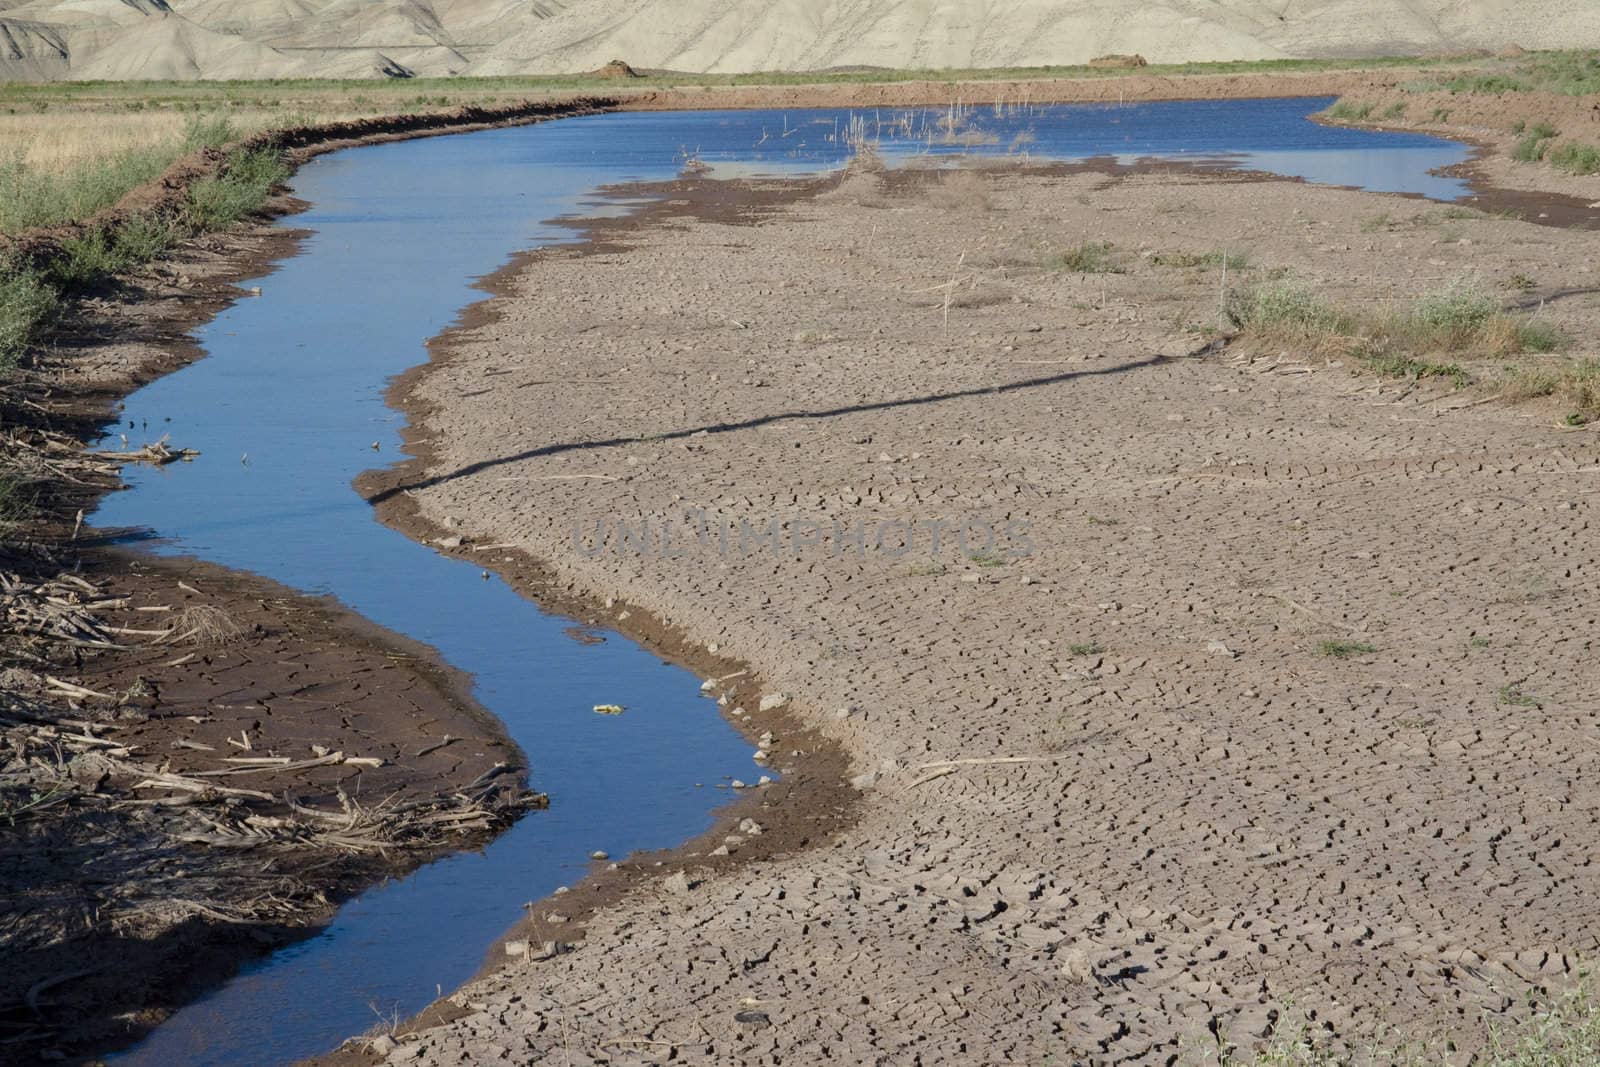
287, 407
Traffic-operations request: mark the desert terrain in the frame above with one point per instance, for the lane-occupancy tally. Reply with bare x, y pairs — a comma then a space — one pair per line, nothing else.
1163, 593
212, 39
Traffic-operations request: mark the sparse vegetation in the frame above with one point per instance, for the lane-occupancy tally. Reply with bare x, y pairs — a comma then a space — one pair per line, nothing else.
1514, 696
1085, 648
986, 558
1342, 649
1460, 318
1089, 257
1576, 384
1287, 312
1393, 366
1232, 260
224, 199
1535, 142
1574, 158
1349, 111
27, 302
1563, 1032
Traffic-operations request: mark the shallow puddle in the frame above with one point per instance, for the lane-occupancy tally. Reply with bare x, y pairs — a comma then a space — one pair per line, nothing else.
288, 408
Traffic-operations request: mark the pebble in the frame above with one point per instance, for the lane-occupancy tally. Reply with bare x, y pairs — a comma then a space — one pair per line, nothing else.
773, 701
737, 784
750, 828
678, 883
599, 854
516, 948
1219, 649
381, 1045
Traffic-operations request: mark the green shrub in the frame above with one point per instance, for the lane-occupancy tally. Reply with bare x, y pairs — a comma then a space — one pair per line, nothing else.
26, 303
1286, 310
1536, 336
1534, 144
1460, 307
241, 188
1575, 158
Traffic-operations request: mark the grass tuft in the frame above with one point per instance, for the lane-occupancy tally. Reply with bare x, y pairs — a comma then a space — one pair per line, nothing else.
1090, 257
1349, 111
1285, 311
1341, 649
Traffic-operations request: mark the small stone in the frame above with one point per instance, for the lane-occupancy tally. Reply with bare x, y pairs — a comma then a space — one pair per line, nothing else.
865, 781
773, 701
1076, 967
678, 883
1027, 580
708, 685
555, 917
764, 780
516, 948
844, 713
599, 854
453, 541
736, 784
750, 827
1217, 648
757, 1019
972, 579
560, 889
720, 850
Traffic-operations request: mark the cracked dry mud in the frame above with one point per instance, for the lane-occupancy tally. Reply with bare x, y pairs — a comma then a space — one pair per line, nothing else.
1225, 818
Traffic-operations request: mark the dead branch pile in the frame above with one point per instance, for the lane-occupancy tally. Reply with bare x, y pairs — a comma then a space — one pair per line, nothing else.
62, 608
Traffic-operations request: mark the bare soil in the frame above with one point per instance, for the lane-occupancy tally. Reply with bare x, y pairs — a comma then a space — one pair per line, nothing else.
1284, 702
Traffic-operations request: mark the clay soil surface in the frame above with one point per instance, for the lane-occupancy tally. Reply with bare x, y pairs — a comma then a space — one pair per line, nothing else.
1274, 685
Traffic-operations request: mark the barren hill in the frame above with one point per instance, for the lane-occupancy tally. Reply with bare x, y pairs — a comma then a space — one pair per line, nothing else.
133, 39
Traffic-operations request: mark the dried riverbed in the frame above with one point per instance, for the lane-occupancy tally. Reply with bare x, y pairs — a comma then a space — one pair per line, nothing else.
1281, 700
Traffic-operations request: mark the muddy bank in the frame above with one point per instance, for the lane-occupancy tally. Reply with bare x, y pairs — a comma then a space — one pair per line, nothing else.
157, 830
1121, 799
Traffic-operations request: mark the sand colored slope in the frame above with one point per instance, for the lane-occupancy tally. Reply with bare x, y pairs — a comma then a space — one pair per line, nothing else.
799, 34
344, 38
